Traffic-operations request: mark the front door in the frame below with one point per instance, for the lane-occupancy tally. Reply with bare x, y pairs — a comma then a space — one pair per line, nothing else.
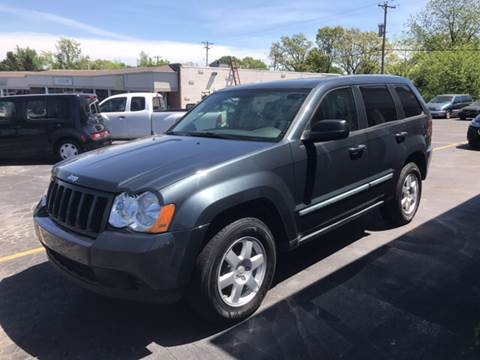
138, 118
114, 115
336, 171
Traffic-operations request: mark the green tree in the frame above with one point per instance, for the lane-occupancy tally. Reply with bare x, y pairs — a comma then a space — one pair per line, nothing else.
22, 59
328, 41
446, 24
100, 64
446, 72
290, 53
358, 52
68, 55
247, 62
144, 60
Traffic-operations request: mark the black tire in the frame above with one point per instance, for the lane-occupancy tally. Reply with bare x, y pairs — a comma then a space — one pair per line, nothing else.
205, 295
393, 210
57, 149
463, 117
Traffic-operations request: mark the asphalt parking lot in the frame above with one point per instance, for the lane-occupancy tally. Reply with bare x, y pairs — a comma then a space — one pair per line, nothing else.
362, 292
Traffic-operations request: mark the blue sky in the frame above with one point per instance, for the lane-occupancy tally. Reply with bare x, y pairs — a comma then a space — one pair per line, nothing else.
174, 30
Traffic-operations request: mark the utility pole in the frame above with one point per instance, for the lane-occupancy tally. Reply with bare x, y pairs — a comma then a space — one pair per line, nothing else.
207, 48
383, 30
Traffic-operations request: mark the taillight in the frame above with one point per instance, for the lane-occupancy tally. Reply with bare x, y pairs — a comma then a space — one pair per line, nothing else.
429, 127
99, 135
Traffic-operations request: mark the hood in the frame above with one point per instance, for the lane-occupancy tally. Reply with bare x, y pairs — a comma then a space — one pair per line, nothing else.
151, 163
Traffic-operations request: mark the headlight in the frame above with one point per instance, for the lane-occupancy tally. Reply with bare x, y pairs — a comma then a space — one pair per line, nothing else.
142, 213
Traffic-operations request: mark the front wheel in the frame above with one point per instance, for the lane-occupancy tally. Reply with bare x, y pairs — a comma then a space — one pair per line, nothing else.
234, 271
448, 114
408, 191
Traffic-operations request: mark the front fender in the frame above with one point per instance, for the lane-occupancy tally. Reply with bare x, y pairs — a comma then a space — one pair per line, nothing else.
203, 206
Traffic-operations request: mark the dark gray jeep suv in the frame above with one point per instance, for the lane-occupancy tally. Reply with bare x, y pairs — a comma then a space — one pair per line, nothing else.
203, 210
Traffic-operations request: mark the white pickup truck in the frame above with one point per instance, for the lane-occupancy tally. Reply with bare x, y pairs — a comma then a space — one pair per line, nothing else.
134, 115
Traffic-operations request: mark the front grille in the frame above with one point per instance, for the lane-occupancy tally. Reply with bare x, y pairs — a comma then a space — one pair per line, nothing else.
78, 208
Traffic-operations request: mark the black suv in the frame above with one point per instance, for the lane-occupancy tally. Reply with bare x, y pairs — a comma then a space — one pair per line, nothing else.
37, 126
203, 210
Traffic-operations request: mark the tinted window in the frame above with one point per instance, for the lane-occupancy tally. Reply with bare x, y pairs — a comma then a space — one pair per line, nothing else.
441, 99
56, 108
338, 105
114, 105
36, 109
7, 111
263, 114
410, 104
158, 103
137, 104
379, 105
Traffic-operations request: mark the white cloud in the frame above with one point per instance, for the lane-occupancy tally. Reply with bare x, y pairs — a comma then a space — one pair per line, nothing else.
35, 15
127, 50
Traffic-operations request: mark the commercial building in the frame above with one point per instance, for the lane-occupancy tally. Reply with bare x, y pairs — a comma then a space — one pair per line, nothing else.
180, 84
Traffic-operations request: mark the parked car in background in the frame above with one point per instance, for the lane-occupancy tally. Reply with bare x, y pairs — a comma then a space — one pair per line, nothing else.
135, 115
58, 125
204, 209
470, 112
447, 106
473, 133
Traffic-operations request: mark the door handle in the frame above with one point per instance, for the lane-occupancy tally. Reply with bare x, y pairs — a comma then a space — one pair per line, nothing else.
400, 137
357, 151
121, 117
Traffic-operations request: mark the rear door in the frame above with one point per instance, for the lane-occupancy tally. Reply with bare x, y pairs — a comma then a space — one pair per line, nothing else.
9, 143
386, 135
138, 117
34, 127
337, 170
113, 111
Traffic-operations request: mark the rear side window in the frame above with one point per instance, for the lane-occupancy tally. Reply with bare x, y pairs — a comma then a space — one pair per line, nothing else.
56, 108
36, 109
7, 111
379, 105
114, 105
410, 104
338, 105
158, 103
137, 104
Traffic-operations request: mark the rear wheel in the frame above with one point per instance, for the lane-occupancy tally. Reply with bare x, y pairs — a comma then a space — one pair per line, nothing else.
234, 271
66, 149
408, 191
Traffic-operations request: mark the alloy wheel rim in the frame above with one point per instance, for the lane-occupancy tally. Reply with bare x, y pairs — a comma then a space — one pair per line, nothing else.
409, 194
242, 271
68, 150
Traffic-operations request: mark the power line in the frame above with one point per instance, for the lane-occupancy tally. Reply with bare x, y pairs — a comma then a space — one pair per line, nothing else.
383, 28
207, 49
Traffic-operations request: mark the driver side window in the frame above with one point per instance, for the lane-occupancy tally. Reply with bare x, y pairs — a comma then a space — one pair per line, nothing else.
338, 105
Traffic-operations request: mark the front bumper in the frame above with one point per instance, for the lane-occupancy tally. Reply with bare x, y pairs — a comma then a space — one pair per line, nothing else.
438, 113
93, 145
144, 267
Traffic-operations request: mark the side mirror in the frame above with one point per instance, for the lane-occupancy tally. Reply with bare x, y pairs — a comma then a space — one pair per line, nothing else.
326, 130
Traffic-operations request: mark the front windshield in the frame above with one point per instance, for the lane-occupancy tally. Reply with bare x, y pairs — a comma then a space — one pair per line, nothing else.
441, 99
262, 114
